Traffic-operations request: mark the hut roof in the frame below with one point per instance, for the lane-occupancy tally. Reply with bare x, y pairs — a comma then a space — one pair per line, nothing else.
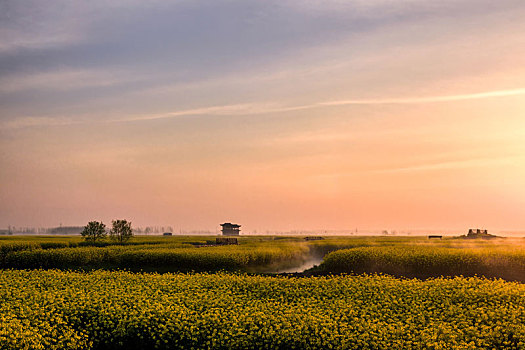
230, 225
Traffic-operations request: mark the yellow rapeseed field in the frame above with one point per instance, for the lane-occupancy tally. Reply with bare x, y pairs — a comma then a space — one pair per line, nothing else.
123, 310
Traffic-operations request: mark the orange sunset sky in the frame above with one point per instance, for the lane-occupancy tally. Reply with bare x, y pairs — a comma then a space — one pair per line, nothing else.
277, 115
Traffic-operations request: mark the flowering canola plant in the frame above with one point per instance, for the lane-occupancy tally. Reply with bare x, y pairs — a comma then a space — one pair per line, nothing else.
427, 261
53, 309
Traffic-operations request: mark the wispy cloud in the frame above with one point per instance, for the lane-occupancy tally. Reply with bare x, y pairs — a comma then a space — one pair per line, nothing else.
262, 108
29, 122
64, 80
428, 99
429, 166
234, 109
251, 109
455, 164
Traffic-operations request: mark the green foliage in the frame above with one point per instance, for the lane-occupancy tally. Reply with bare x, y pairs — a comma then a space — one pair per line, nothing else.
160, 257
400, 256
430, 261
121, 230
94, 231
122, 310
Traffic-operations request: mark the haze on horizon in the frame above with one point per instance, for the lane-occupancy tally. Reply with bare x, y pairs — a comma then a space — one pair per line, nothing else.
277, 115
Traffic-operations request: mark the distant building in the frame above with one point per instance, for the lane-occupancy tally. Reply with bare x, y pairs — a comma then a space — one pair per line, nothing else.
477, 233
229, 229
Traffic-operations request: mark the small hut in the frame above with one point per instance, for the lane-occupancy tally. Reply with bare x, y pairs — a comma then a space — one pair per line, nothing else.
229, 229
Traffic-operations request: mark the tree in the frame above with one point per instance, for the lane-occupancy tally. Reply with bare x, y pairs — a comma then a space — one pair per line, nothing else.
121, 230
94, 231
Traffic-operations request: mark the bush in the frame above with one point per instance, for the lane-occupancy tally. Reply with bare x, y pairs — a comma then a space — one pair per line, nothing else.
94, 231
121, 231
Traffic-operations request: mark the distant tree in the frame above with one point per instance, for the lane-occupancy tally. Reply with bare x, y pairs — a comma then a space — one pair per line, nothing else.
121, 230
94, 231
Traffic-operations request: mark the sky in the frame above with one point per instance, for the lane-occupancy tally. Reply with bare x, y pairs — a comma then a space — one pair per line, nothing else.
276, 115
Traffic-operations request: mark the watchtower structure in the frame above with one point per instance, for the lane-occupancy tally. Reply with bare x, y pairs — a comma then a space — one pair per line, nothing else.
229, 229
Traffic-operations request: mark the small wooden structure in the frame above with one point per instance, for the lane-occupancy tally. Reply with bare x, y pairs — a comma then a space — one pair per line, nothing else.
226, 240
229, 229
435, 237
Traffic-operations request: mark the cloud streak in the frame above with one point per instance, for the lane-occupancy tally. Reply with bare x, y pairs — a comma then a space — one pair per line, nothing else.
253, 109
457, 164
482, 162
429, 99
263, 108
65, 80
